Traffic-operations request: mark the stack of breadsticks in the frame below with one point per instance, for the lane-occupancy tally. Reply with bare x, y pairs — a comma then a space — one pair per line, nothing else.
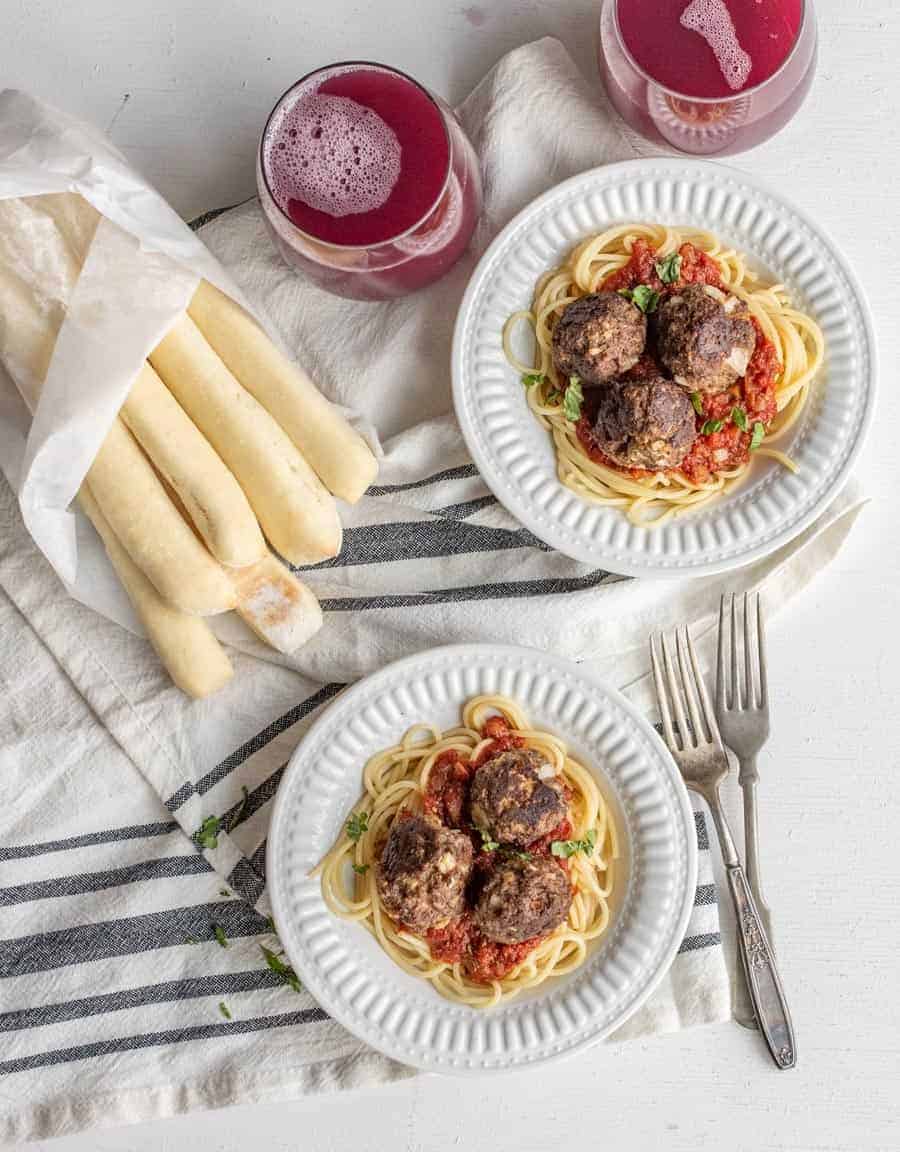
221, 445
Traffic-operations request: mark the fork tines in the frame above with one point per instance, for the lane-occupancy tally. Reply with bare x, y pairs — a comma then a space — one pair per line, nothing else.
734, 691
682, 692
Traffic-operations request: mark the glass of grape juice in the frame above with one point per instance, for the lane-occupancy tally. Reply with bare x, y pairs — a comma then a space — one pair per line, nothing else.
367, 181
707, 76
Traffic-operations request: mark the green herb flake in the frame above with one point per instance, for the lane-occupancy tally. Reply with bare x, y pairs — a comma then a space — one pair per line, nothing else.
357, 824
239, 815
191, 940
360, 869
223, 1008
283, 969
711, 426
669, 268
219, 933
573, 400
487, 844
554, 396
207, 835
224, 892
697, 401
567, 848
531, 378
642, 296
739, 418
759, 434
270, 924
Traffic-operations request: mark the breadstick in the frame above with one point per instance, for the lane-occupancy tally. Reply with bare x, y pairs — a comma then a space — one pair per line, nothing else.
278, 607
295, 511
213, 498
337, 453
190, 653
151, 530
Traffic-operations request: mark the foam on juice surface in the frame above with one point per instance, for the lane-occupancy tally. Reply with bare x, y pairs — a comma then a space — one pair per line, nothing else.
333, 154
712, 20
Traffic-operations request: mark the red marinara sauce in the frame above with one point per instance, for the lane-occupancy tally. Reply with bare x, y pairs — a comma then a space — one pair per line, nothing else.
729, 447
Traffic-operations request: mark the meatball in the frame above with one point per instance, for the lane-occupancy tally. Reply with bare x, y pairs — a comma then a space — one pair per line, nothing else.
704, 340
599, 336
423, 872
510, 800
646, 423
522, 899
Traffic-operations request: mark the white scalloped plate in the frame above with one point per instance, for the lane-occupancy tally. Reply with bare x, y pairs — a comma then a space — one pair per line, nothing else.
514, 453
340, 962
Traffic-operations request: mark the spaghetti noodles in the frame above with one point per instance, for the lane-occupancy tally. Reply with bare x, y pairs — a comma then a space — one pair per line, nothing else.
396, 785
613, 259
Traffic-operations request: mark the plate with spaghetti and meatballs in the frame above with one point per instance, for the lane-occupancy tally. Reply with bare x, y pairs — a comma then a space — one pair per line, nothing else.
662, 367
481, 858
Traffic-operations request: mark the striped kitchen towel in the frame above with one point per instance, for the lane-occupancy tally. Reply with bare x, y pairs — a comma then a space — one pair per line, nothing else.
136, 970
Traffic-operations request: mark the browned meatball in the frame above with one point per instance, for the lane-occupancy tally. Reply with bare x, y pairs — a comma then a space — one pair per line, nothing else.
522, 899
511, 801
647, 423
423, 871
599, 336
704, 341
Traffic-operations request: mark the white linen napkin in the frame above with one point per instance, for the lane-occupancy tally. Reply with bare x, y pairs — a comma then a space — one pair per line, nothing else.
119, 1000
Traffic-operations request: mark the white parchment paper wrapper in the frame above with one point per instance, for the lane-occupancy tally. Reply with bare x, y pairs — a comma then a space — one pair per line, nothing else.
141, 271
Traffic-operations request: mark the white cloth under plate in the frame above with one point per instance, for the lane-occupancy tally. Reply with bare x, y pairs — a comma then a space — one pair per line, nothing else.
111, 977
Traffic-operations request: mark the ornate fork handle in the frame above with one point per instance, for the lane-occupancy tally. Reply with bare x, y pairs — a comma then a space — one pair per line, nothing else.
762, 975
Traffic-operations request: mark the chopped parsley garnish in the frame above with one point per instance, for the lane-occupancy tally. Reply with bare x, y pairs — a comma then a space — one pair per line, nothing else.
191, 940
759, 433
487, 844
223, 1008
642, 296
573, 400
270, 923
697, 401
239, 816
554, 396
360, 869
711, 426
567, 848
283, 969
225, 892
219, 933
357, 824
739, 418
532, 378
208, 833
514, 853
669, 268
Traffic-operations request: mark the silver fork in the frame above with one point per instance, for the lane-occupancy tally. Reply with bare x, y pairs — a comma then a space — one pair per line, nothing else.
698, 752
742, 712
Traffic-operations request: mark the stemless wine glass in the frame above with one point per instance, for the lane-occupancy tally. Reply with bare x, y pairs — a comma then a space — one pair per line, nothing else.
345, 159
665, 110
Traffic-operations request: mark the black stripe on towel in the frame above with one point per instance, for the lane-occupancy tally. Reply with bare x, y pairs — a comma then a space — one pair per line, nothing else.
83, 882
461, 473
695, 943
156, 1039
516, 589
89, 839
466, 508
220, 984
85, 942
422, 540
253, 745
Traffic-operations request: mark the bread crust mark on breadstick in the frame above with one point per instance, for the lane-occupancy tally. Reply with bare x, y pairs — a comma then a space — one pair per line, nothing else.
214, 500
297, 514
190, 653
279, 608
151, 530
336, 452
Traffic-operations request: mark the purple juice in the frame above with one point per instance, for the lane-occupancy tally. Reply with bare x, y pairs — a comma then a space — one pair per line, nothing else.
367, 181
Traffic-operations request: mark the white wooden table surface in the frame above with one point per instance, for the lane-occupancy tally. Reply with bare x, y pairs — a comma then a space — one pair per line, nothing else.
183, 89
